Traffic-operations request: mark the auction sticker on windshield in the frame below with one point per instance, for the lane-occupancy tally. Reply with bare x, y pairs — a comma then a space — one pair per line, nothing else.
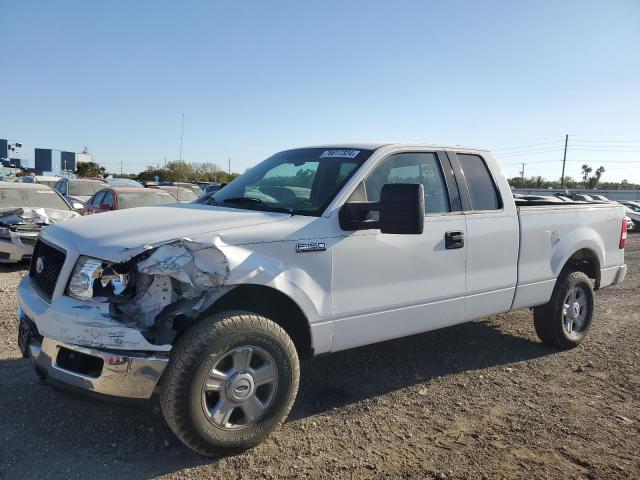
340, 154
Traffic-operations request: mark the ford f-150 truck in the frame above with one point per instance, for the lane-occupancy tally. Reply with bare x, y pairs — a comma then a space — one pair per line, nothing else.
314, 250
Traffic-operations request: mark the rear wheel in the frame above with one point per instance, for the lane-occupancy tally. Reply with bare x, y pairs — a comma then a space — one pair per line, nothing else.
231, 381
565, 320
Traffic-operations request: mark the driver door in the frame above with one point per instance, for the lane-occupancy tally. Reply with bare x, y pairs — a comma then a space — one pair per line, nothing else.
387, 285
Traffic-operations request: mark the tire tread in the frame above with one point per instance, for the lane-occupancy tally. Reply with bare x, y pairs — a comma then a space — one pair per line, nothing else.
545, 317
176, 381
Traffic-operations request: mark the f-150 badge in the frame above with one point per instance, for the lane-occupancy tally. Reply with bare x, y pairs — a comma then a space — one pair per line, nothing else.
311, 247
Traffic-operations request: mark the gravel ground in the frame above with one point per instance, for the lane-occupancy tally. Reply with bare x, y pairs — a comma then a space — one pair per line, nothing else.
481, 400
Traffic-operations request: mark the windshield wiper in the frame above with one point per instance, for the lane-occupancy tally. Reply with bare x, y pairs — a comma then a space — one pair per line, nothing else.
244, 200
259, 203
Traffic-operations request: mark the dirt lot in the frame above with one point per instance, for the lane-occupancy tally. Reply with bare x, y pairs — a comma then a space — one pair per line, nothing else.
481, 400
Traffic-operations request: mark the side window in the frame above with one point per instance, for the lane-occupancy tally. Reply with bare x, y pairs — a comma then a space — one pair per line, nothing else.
108, 198
421, 168
62, 187
97, 199
482, 189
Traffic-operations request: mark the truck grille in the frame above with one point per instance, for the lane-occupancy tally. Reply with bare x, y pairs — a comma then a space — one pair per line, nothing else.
53, 258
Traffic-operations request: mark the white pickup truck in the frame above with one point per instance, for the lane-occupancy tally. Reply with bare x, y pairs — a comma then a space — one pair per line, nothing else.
312, 251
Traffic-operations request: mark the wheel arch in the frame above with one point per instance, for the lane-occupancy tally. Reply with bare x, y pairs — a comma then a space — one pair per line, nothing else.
584, 260
268, 302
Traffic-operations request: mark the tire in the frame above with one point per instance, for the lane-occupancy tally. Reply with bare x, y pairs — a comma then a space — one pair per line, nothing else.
218, 369
566, 330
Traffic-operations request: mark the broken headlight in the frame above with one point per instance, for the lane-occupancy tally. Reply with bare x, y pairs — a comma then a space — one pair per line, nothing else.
94, 279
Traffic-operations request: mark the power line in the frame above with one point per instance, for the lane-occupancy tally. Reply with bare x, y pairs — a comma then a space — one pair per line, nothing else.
529, 152
633, 150
598, 139
573, 160
534, 162
518, 147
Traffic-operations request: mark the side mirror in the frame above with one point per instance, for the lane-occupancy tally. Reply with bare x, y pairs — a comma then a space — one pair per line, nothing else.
401, 209
77, 206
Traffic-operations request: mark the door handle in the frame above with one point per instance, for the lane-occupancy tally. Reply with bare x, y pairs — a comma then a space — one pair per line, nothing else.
454, 239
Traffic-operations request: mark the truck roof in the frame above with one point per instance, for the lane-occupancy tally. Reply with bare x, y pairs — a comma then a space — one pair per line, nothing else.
376, 145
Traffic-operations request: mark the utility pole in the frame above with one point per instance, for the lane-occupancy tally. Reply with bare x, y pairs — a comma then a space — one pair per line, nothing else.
181, 135
120, 167
564, 160
229, 165
522, 173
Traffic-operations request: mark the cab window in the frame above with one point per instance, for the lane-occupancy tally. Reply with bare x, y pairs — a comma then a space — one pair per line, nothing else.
108, 199
97, 199
482, 189
408, 167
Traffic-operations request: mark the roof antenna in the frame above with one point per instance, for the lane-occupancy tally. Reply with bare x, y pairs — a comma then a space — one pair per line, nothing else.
180, 156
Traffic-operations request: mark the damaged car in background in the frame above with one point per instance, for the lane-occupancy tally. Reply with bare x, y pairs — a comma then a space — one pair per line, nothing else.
315, 250
25, 209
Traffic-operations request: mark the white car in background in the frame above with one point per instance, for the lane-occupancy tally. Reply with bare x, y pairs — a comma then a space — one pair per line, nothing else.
79, 190
26, 208
49, 181
632, 210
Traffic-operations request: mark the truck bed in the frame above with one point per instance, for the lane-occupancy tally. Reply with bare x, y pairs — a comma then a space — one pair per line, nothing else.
551, 233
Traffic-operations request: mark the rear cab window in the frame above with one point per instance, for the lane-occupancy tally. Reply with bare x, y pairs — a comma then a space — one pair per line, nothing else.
483, 191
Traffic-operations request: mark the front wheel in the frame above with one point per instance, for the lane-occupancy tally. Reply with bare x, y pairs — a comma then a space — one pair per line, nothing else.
231, 381
565, 320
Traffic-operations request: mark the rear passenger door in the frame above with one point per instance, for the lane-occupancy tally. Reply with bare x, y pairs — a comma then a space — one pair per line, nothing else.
492, 237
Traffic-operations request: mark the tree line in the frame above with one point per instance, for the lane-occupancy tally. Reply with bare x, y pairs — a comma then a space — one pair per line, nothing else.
590, 179
176, 171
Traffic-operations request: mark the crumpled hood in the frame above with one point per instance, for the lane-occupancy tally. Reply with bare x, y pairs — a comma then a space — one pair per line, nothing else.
34, 216
110, 236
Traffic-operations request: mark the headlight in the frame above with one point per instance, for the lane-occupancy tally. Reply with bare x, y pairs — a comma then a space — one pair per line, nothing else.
98, 280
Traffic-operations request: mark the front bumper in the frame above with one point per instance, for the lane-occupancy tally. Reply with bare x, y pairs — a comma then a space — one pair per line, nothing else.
11, 252
118, 374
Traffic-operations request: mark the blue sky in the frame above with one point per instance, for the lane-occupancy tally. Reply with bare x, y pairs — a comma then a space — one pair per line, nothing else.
253, 78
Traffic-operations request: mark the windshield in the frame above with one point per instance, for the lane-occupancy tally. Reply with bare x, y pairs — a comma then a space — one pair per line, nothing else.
32, 198
191, 186
84, 188
183, 194
123, 182
48, 183
302, 181
143, 199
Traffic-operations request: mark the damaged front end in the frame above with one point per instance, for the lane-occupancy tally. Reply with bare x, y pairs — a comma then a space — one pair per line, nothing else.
148, 292
110, 333
21, 226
